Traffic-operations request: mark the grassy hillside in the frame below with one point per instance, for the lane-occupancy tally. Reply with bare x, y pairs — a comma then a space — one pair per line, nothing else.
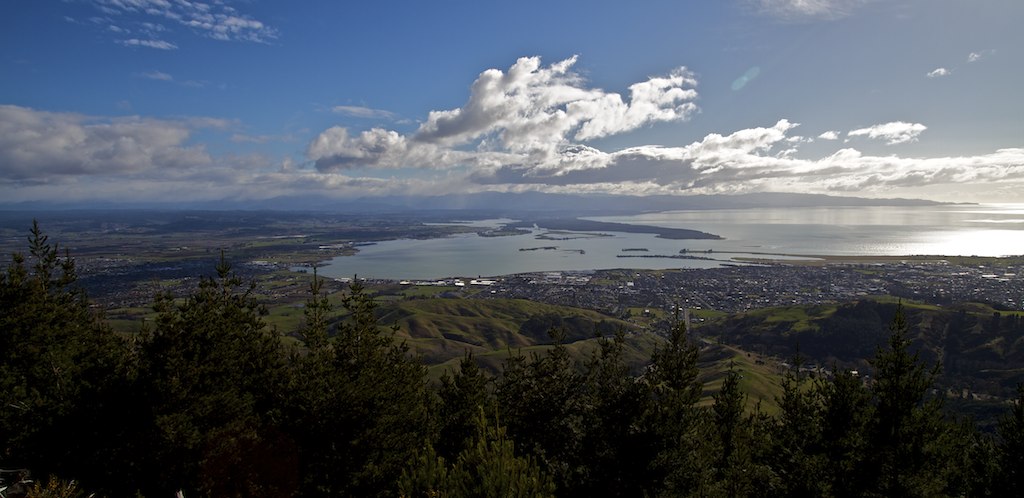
440, 330
443, 330
980, 349
760, 378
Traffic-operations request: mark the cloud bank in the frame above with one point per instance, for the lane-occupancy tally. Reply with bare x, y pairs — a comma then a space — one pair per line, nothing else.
41, 145
532, 127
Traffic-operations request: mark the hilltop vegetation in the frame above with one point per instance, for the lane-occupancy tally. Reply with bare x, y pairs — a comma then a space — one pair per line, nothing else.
209, 400
442, 331
981, 349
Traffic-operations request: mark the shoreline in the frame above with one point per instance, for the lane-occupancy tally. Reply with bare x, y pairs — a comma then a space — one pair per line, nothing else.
821, 259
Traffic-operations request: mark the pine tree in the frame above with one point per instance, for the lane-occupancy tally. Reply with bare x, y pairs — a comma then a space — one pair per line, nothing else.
357, 406
798, 460
732, 437
673, 422
463, 395
213, 376
908, 444
1010, 448
488, 466
845, 417
616, 445
318, 308
64, 375
540, 401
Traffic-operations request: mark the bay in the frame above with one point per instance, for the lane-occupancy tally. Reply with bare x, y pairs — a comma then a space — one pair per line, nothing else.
962, 230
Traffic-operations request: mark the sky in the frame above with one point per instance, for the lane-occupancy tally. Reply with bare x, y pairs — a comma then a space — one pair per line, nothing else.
257, 100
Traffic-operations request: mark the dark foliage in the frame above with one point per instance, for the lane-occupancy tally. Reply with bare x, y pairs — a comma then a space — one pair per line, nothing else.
208, 401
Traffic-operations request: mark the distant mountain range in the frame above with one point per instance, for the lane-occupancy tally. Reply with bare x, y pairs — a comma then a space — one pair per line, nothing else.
498, 202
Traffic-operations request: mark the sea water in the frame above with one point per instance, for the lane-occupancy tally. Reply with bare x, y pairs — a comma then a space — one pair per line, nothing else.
964, 230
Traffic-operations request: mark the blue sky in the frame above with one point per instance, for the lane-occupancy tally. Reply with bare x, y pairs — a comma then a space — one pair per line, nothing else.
177, 100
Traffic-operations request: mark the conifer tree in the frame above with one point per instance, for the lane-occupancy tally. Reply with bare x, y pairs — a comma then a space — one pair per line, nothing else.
358, 406
798, 460
1010, 449
616, 445
733, 464
540, 401
488, 466
462, 397
674, 421
64, 375
317, 310
213, 376
908, 444
845, 417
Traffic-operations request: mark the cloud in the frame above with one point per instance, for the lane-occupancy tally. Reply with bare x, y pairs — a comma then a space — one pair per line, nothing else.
977, 56
751, 161
362, 112
46, 155
259, 139
210, 19
538, 108
807, 9
157, 44
939, 72
532, 127
162, 76
530, 114
896, 132
38, 144
157, 75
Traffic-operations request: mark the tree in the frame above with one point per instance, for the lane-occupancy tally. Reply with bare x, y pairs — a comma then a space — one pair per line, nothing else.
540, 401
463, 395
1010, 448
616, 445
673, 422
488, 466
318, 308
357, 406
734, 462
798, 458
908, 436
64, 375
845, 417
213, 377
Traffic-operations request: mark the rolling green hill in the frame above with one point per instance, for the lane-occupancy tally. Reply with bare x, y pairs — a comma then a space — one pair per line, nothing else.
441, 331
980, 349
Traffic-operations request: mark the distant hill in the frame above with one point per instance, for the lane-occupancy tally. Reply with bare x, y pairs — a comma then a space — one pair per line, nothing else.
980, 349
497, 202
441, 331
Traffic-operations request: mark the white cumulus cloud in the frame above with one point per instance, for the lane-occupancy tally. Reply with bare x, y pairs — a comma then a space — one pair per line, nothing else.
939, 72
528, 115
829, 135
896, 132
